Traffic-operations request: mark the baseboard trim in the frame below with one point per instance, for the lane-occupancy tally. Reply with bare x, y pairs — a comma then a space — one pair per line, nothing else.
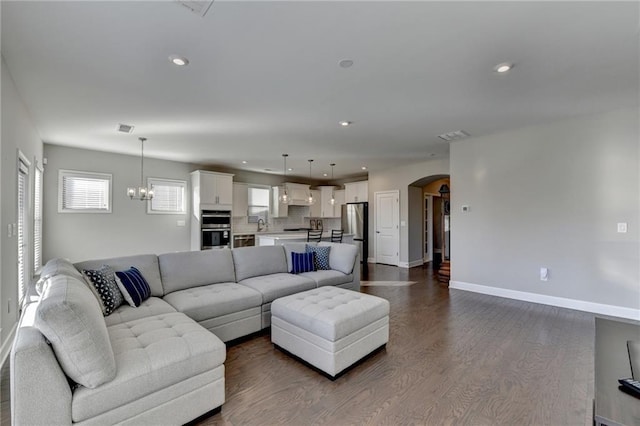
579, 305
411, 264
5, 349
371, 260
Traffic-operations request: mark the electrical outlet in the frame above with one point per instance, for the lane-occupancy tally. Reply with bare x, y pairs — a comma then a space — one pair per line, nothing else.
544, 274
9, 230
180, 223
622, 227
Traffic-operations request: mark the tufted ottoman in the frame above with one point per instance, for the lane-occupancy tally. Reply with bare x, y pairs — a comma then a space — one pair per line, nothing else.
330, 327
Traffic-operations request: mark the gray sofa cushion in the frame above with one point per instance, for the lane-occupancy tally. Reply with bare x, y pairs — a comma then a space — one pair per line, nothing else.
147, 264
328, 277
215, 300
195, 268
151, 353
278, 285
55, 267
342, 257
149, 307
257, 261
70, 317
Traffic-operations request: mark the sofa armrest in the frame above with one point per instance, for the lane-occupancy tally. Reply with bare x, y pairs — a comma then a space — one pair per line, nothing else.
40, 391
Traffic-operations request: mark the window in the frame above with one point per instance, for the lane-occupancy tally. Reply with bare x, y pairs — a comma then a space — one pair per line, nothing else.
169, 196
84, 192
258, 204
37, 219
23, 216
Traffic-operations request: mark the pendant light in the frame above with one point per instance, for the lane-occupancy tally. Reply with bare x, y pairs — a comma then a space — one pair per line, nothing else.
310, 200
284, 197
332, 201
141, 193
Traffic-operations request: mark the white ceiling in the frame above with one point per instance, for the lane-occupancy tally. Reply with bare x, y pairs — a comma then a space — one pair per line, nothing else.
264, 77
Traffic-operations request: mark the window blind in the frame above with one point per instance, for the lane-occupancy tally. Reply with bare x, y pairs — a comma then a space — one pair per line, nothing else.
169, 196
23, 170
37, 220
88, 192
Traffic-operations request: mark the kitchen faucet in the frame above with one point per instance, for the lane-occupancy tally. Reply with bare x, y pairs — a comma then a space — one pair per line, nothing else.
261, 224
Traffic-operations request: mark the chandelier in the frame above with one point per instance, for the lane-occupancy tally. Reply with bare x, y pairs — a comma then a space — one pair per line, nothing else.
332, 201
141, 193
284, 197
310, 199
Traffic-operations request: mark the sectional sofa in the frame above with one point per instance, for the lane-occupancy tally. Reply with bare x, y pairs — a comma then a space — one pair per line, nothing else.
163, 361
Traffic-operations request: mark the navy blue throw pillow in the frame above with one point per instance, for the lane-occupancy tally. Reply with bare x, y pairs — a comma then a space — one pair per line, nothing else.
302, 262
135, 286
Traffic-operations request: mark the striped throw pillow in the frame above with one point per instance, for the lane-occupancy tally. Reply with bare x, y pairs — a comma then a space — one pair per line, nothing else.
302, 262
133, 286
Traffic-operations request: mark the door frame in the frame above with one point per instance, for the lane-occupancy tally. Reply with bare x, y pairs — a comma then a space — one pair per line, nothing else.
376, 194
427, 222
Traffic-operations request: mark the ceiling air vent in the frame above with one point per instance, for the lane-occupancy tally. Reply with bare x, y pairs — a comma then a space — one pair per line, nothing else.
454, 136
125, 128
199, 7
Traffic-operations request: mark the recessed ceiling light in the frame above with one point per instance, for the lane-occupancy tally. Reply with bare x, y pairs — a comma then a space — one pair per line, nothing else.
244, 161
179, 60
290, 169
325, 175
503, 67
364, 167
345, 123
346, 63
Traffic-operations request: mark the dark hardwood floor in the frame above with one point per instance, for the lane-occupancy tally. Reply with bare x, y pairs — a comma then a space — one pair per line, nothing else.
453, 357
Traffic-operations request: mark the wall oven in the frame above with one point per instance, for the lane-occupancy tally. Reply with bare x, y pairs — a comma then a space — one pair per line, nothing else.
215, 229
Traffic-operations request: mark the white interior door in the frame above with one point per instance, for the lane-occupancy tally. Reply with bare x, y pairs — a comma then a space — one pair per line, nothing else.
387, 227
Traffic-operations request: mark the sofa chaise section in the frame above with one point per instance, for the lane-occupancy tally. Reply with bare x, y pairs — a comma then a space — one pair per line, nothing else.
68, 366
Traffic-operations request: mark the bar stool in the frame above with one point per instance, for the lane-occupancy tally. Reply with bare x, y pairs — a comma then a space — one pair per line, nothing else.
336, 235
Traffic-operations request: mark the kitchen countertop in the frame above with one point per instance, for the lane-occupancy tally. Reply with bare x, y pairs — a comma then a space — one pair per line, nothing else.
292, 235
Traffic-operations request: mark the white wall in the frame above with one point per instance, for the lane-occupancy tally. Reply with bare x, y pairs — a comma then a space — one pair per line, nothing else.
128, 229
399, 178
415, 235
551, 195
18, 133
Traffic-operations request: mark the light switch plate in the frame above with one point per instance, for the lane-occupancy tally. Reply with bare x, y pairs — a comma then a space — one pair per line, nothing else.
622, 227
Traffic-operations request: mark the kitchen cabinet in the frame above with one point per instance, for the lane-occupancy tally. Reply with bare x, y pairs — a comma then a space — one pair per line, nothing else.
329, 210
278, 209
340, 200
356, 192
298, 194
315, 209
240, 199
211, 190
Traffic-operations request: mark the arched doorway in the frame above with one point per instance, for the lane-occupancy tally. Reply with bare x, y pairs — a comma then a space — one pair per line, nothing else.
431, 230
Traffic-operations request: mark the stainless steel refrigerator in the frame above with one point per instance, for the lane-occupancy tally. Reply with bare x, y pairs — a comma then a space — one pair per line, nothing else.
355, 220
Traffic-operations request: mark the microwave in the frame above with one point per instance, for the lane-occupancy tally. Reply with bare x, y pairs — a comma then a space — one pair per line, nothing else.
216, 219
215, 238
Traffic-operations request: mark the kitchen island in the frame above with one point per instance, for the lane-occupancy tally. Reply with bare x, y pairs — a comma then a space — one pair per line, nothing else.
272, 238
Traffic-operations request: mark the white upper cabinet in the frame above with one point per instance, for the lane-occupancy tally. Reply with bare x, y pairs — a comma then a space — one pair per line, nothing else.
211, 190
340, 199
329, 210
240, 199
356, 192
315, 209
278, 209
